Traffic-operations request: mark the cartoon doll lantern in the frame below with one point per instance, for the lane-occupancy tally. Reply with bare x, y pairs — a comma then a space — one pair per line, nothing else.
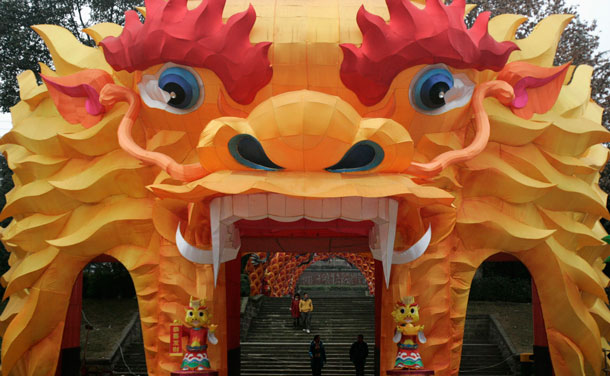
406, 313
198, 332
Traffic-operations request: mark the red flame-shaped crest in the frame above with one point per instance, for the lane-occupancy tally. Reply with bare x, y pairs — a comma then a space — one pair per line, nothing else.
413, 36
198, 38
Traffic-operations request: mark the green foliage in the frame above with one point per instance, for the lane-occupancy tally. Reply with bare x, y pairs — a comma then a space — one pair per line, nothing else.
107, 280
502, 281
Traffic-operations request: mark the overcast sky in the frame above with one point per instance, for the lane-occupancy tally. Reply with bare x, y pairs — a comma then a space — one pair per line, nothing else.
600, 10
589, 9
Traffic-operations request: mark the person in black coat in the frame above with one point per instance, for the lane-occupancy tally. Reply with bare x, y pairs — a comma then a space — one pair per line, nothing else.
358, 353
317, 354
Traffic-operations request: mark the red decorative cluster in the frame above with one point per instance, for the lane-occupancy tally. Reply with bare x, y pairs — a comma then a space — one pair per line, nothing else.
413, 36
197, 38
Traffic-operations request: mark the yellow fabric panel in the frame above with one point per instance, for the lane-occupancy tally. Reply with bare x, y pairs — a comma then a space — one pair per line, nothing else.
69, 55
540, 46
103, 30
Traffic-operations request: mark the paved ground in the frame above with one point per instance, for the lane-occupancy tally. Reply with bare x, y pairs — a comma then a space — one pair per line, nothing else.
108, 318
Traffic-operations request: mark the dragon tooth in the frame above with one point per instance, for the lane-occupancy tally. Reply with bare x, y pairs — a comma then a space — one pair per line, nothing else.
225, 241
191, 252
225, 237
381, 239
416, 249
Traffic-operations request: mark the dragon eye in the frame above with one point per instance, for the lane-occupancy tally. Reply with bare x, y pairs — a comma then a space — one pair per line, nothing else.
363, 156
431, 88
248, 151
182, 87
174, 88
412, 311
435, 90
200, 313
402, 310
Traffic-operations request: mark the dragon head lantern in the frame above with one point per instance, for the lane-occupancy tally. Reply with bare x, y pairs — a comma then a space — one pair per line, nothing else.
184, 139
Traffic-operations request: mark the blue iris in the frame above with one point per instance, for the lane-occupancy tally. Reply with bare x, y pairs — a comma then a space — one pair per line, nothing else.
181, 85
430, 89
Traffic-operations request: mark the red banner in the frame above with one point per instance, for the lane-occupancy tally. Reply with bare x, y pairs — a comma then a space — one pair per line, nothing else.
175, 339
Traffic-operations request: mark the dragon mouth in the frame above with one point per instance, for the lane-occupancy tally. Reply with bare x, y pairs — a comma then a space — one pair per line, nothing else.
267, 214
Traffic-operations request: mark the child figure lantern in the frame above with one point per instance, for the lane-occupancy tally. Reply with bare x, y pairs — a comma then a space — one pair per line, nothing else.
198, 333
406, 313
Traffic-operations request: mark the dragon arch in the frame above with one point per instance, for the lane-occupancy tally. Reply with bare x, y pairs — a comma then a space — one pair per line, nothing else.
180, 142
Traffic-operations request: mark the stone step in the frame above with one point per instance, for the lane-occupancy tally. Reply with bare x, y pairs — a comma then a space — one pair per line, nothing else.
275, 348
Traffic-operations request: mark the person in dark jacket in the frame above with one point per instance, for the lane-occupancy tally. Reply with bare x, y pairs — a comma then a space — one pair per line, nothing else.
317, 354
295, 311
358, 353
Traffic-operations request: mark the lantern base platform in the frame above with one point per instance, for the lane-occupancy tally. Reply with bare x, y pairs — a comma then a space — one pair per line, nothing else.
410, 372
207, 372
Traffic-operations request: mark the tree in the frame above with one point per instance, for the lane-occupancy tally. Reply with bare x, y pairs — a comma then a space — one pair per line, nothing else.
21, 48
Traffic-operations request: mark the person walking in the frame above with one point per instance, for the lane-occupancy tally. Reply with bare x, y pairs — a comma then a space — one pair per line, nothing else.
358, 353
306, 307
317, 355
295, 310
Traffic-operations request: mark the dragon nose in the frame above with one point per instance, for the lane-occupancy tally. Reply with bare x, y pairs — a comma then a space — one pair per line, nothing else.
305, 131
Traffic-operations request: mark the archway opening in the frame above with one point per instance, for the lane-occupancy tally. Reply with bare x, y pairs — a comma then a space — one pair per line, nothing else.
341, 287
102, 334
502, 323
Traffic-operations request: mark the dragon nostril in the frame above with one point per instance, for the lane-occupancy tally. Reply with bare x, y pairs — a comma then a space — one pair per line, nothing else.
249, 152
363, 156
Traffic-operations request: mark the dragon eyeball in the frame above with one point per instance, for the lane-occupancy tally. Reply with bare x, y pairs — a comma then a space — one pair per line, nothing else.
431, 88
181, 86
435, 90
176, 89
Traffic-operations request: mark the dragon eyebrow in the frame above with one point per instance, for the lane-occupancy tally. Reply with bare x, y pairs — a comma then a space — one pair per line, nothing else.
198, 38
413, 36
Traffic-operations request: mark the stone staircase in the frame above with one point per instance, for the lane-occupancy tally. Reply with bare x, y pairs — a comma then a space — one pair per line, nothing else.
134, 362
485, 349
273, 347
